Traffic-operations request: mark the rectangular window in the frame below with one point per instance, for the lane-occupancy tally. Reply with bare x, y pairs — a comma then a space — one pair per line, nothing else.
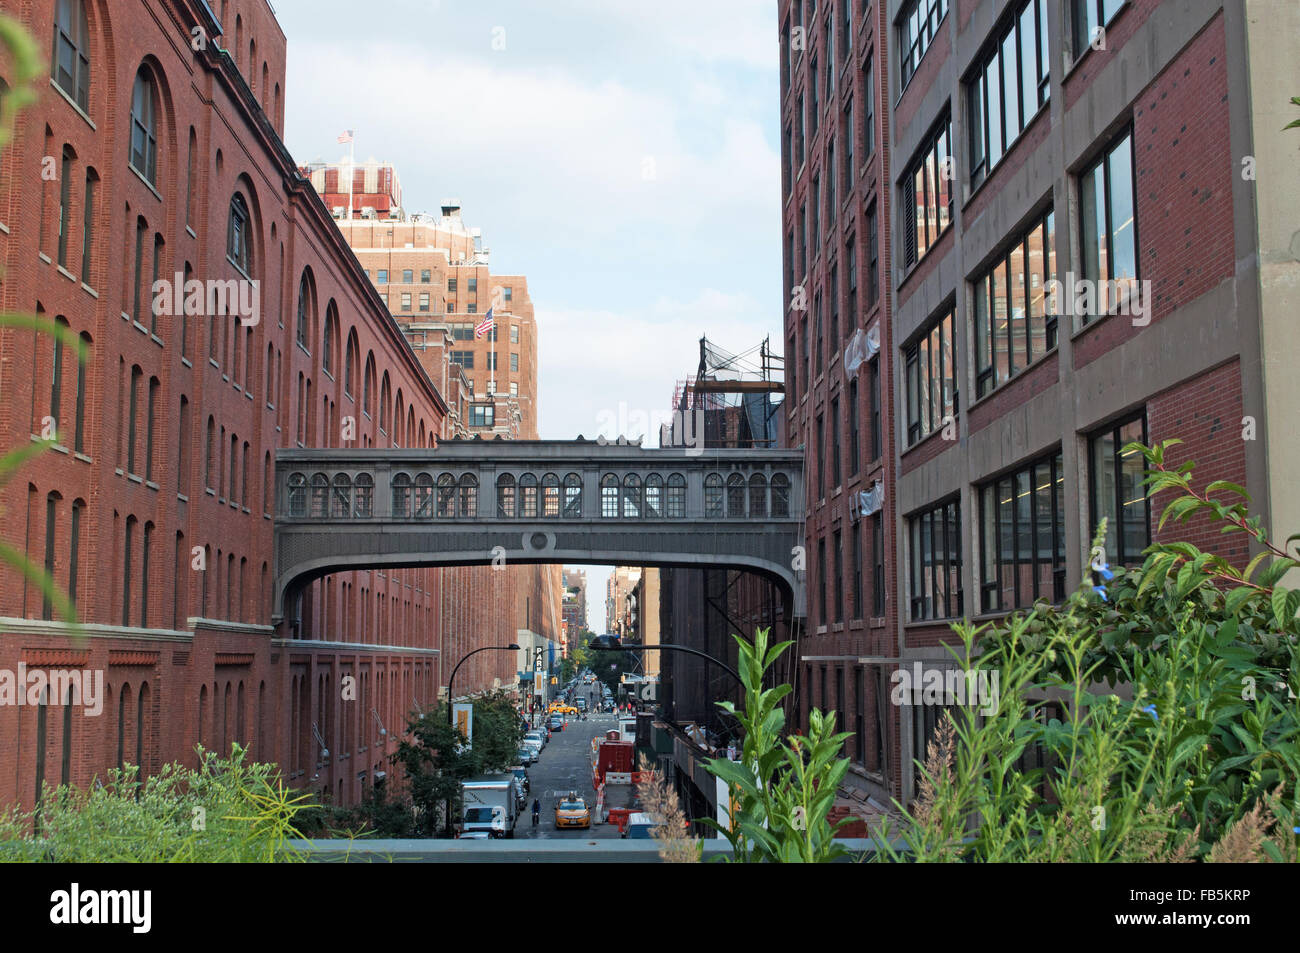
877, 564
830, 182
816, 205
839, 576
471, 309
491, 360
834, 293
1022, 536
482, 415
514, 389
927, 195
407, 276
1009, 83
406, 301
800, 132
873, 258
873, 382
473, 285
930, 380
918, 24
463, 359
451, 285
514, 362
1089, 17
382, 274
507, 293
785, 58
812, 97
846, 30
857, 572
869, 107
934, 539
853, 426
851, 262
817, 318
424, 276
821, 457
1014, 323
514, 334
1115, 490
424, 301
835, 442
821, 582
1108, 225
847, 135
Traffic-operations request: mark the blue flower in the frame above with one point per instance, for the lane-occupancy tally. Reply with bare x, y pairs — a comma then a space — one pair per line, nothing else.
1106, 573
1101, 591
1151, 710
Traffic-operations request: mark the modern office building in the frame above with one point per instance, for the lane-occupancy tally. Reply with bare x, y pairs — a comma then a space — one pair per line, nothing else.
1131, 150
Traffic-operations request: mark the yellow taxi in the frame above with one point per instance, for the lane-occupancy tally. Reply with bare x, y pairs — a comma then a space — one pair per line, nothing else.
558, 709
571, 811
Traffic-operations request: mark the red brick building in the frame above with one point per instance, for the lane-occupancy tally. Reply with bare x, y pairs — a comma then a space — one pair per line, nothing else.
998, 146
161, 126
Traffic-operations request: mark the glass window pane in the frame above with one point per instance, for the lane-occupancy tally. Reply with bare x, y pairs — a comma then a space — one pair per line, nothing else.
1024, 539
993, 87
1010, 93
1005, 365
1028, 65
943, 184
1016, 286
1123, 249
983, 341
1103, 491
1132, 496
1006, 546
1044, 548
918, 185
923, 383
1034, 292
975, 128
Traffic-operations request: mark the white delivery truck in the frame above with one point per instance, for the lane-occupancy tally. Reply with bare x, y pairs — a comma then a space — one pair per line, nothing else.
490, 804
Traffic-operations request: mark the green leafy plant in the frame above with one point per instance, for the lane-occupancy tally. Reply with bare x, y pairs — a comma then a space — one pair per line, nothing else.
782, 788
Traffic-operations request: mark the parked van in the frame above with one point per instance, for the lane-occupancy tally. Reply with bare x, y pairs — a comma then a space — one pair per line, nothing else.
490, 803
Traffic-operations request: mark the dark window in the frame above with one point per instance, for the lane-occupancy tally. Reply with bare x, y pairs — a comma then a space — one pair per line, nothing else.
851, 265
931, 379
88, 225
821, 458
859, 716
304, 305
869, 106
1022, 536
812, 96
1116, 491
934, 537
144, 126
51, 519
677, 496
839, 575
917, 26
482, 415
1108, 222
407, 276
237, 235
70, 60
65, 204
849, 172
136, 376
853, 426
836, 469
877, 564
79, 423
1014, 325
857, 572
463, 359
873, 384
1009, 83
821, 585
873, 258
713, 496
833, 292
926, 210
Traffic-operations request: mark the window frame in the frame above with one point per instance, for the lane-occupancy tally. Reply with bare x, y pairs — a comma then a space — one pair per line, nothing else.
917, 522
991, 542
925, 419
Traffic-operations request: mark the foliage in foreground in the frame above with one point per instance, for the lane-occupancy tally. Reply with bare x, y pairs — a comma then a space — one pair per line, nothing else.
225, 811
782, 789
1196, 753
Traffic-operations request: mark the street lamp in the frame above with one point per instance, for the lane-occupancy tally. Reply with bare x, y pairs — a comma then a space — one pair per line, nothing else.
512, 647
612, 643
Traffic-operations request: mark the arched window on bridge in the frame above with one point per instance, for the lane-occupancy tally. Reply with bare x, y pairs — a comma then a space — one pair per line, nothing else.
467, 505
735, 496
341, 498
364, 496
757, 496
297, 494
320, 495
609, 496
401, 496
573, 496
780, 495
446, 496
654, 496
423, 496
713, 495
631, 496
676, 508
506, 496
528, 496
550, 496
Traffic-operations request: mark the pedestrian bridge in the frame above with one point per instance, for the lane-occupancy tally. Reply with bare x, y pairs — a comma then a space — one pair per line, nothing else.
476, 502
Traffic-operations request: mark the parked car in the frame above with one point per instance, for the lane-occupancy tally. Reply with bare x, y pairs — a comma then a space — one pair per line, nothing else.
571, 811
537, 735
521, 778
527, 755
557, 722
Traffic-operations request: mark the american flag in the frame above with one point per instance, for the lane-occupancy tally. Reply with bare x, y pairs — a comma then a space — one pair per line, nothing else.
345, 136
484, 326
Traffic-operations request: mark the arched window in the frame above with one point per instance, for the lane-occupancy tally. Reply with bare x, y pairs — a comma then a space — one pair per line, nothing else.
713, 496
367, 395
528, 496
654, 496
550, 496
70, 60
780, 495
675, 508
341, 499
301, 331
364, 496
297, 494
467, 503
385, 400
350, 364
320, 495
506, 496
632, 496
757, 496
88, 226
401, 487
609, 496
572, 497
237, 238
144, 126
446, 496
329, 347
423, 496
735, 496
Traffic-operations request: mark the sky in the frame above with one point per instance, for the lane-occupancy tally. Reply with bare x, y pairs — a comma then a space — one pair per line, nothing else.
622, 155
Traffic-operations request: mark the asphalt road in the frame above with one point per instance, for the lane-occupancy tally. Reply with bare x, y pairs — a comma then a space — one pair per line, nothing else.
565, 765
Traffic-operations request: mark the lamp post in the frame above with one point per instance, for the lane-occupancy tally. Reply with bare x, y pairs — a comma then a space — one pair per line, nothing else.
512, 647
